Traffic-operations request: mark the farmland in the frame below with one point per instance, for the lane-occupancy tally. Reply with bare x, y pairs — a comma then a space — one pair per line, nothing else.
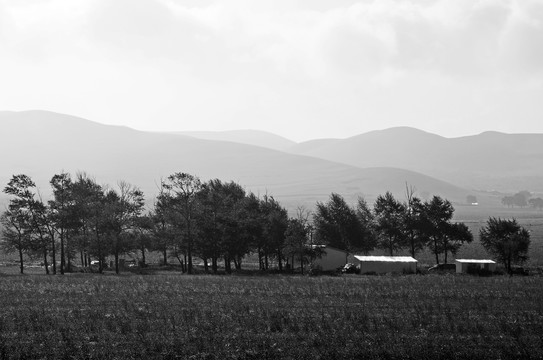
476, 217
170, 315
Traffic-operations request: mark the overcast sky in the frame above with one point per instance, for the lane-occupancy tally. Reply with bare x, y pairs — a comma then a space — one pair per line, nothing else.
299, 68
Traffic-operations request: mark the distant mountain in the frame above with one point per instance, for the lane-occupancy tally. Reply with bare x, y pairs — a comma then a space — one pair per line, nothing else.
42, 144
489, 161
249, 137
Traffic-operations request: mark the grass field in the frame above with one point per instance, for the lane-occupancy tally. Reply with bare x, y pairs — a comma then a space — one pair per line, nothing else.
257, 317
476, 217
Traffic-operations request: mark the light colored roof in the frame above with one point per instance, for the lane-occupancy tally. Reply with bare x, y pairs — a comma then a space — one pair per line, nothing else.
386, 258
475, 261
327, 247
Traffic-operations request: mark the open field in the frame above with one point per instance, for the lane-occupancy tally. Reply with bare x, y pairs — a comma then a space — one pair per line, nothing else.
256, 317
476, 217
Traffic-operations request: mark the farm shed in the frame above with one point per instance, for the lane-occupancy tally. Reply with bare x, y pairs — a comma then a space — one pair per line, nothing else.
386, 264
465, 265
331, 258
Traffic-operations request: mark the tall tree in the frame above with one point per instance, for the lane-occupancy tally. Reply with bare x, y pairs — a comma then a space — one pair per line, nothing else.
15, 232
506, 240
415, 224
88, 207
236, 238
162, 231
143, 236
23, 190
367, 224
275, 222
220, 224
439, 213
252, 223
389, 219
179, 195
121, 212
457, 234
336, 224
297, 246
61, 216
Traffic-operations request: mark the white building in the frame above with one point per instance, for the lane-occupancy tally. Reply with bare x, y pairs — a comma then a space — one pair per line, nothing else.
386, 264
466, 265
331, 258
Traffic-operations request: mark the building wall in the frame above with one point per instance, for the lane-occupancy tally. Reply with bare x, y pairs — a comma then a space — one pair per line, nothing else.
463, 267
383, 267
331, 260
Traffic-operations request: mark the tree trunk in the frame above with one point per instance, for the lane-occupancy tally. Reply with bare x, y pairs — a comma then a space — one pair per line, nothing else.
68, 254
266, 264
436, 251
260, 267
206, 267
391, 246
227, 264
165, 256
189, 247
21, 259
100, 257
62, 255
214, 264
279, 260
45, 259
412, 238
116, 262
143, 256
53, 253
237, 263
189, 255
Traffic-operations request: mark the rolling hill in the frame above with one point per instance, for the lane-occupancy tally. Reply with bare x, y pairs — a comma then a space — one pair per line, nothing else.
248, 137
489, 161
41, 144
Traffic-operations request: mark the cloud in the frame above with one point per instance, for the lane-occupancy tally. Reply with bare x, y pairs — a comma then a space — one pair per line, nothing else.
344, 66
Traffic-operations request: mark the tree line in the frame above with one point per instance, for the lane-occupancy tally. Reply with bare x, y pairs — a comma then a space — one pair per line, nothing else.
215, 221
392, 225
522, 199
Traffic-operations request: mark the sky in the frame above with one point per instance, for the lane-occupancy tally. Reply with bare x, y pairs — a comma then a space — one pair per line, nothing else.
302, 69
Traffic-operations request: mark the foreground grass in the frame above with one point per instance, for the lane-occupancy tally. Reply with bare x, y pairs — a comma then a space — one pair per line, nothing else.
223, 317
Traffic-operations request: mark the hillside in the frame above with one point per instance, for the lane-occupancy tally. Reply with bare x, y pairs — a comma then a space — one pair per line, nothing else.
489, 161
248, 137
41, 144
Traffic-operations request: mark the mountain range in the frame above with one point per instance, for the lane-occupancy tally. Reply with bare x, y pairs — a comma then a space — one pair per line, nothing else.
41, 144
490, 161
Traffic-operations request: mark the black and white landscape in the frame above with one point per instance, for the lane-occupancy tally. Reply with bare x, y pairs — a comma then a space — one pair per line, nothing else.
41, 143
271, 179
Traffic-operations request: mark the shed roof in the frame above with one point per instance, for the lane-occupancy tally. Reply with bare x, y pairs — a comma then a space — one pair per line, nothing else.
386, 258
327, 247
476, 261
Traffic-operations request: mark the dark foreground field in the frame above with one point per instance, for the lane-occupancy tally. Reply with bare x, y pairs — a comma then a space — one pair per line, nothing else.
256, 317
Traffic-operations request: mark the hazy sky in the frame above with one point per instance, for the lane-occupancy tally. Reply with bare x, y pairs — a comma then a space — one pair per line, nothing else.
300, 68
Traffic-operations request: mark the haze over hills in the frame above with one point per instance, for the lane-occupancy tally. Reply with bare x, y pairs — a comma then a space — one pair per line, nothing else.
488, 161
42, 144
248, 137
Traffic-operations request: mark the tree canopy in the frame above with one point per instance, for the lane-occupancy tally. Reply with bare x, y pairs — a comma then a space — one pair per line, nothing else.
506, 240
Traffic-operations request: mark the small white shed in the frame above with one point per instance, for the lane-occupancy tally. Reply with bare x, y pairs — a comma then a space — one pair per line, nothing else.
386, 264
466, 265
331, 258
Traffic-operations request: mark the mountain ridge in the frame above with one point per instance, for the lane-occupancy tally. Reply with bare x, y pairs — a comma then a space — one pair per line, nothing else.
119, 153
